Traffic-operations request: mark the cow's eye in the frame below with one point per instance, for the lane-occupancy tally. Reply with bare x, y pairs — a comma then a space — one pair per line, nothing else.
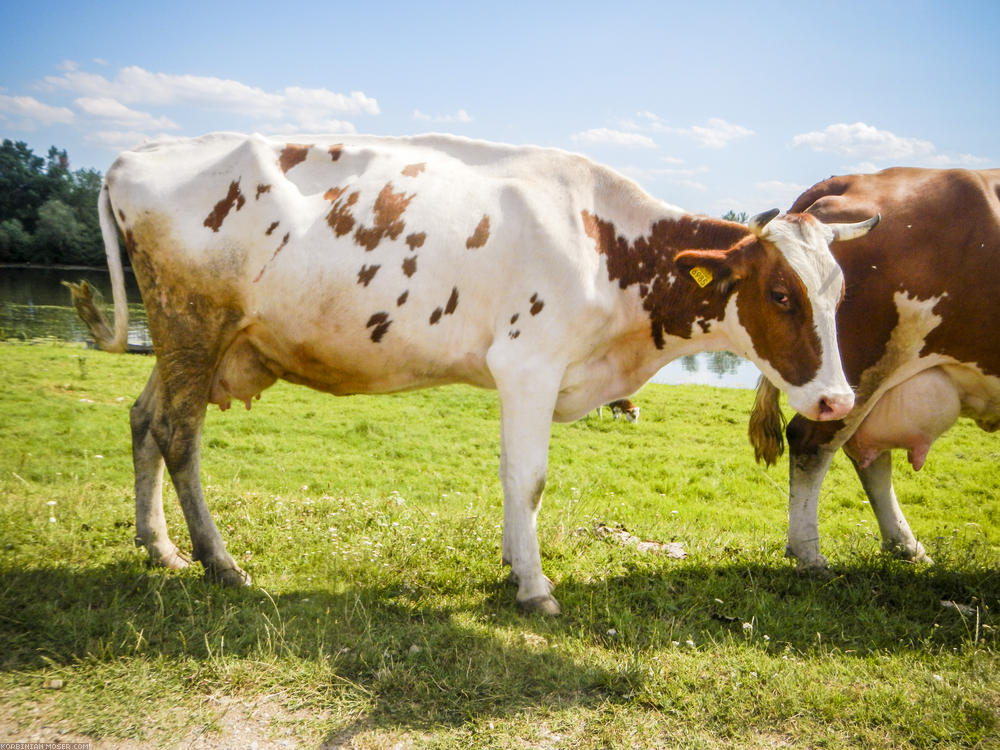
780, 298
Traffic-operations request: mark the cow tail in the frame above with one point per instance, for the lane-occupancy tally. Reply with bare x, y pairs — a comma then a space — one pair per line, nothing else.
767, 424
83, 293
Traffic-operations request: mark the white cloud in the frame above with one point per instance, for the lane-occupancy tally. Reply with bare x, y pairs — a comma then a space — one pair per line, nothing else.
118, 140
717, 133
608, 137
114, 111
134, 85
461, 117
27, 113
860, 140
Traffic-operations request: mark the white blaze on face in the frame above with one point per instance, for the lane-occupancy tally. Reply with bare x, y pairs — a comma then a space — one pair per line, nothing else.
805, 244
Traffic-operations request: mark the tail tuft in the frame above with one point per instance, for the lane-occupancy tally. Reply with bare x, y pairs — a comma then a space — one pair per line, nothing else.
767, 424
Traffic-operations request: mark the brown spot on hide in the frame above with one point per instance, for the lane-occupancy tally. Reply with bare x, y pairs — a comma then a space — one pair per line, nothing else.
416, 240
284, 241
336, 151
514, 317
452, 302
412, 170
436, 315
261, 189
402, 298
389, 208
379, 323
536, 304
291, 155
367, 273
481, 235
659, 264
410, 265
514, 334
270, 229
233, 198
121, 215
340, 219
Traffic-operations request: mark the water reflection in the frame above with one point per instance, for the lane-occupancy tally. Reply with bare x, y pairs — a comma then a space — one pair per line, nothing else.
34, 304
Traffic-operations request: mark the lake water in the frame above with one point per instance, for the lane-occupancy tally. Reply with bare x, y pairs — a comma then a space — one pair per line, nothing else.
34, 304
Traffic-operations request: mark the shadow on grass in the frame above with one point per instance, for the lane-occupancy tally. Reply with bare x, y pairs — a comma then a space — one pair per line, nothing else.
403, 661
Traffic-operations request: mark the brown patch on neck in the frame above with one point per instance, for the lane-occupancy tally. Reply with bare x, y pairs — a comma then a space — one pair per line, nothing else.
233, 198
261, 189
336, 151
480, 236
389, 208
340, 219
291, 155
672, 300
412, 170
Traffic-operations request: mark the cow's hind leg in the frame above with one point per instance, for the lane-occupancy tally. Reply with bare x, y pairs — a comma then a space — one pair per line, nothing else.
150, 524
897, 538
182, 398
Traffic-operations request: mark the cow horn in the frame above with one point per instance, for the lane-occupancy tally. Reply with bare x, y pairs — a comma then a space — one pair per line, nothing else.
758, 222
853, 231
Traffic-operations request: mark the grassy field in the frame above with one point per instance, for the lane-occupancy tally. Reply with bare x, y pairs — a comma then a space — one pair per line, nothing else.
380, 615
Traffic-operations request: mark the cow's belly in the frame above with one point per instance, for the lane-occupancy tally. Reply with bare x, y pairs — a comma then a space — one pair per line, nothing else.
262, 353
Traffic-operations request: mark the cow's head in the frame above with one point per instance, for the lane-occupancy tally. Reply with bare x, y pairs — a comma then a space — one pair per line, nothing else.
786, 287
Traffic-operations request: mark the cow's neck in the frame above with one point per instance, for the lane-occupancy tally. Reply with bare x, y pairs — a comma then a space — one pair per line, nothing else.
670, 313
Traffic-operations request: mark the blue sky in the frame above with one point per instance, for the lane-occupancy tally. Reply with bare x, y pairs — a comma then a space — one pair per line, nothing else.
708, 105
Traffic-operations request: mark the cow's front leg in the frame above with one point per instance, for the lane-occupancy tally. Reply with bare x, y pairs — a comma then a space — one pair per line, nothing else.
805, 477
525, 423
150, 523
897, 538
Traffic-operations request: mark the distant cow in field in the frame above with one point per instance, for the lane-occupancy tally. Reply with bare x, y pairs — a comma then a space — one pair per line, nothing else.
623, 407
919, 336
372, 265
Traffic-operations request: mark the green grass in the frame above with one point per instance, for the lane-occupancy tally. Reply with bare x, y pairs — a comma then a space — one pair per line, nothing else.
380, 613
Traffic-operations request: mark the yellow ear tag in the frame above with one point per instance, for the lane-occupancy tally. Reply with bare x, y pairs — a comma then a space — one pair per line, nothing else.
701, 275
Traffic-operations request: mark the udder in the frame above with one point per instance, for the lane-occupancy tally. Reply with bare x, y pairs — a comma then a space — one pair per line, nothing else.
242, 374
912, 415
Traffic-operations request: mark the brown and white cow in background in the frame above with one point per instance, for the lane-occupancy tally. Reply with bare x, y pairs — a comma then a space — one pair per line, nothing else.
919, 336
371, 265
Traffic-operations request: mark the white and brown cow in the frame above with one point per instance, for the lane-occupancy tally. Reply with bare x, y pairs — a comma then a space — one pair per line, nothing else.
918, 335
372, 265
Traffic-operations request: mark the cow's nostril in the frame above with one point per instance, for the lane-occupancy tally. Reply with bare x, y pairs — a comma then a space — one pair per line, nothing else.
824, 407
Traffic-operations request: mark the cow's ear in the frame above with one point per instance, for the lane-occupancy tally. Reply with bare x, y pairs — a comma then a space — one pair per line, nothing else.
718, 269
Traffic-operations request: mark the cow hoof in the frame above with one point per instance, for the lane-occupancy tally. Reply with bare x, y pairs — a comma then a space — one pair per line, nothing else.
913, 554
229, 577
172, 558
818, 568
546, 605
177, 561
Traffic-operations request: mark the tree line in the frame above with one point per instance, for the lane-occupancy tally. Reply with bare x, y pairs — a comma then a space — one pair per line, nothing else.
48, 213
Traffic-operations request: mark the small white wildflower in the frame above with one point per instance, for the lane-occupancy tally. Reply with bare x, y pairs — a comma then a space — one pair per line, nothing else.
51, 502
689, 642
52, 519
675, 643
767, 637
612, 632
748, 626
939, 678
